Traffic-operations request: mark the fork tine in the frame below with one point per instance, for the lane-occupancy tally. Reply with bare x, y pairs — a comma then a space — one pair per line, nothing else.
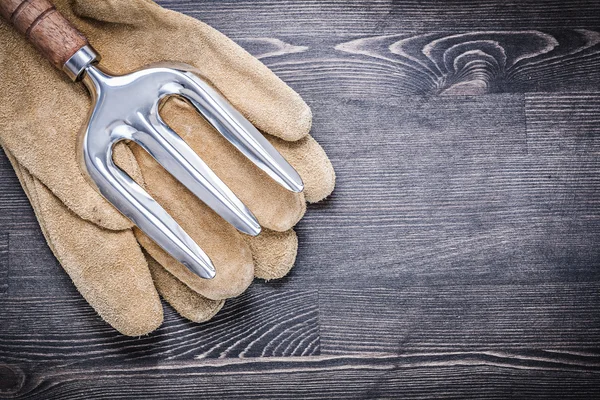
178, 158
135, 203
240, 132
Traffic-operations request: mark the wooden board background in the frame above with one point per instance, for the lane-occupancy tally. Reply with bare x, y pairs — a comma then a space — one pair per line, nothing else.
458, 257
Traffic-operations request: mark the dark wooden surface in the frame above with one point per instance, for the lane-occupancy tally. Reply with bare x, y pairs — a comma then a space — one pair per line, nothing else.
459, 256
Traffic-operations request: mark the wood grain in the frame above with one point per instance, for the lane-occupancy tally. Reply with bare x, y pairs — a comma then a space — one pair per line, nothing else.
4, 259
15, 211
442, 190
51, 33
27, 251
457, 258
263, 322
563, 124
492, 375
326, 18
381, 48
405, 319
433, 63
479, 62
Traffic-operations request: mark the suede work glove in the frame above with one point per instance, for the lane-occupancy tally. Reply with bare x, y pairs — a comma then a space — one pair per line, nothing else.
116, 268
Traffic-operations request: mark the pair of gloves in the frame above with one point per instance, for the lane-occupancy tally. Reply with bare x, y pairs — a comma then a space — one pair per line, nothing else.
118, 269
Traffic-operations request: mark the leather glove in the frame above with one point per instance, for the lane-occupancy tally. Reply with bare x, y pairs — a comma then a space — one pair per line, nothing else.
116, 268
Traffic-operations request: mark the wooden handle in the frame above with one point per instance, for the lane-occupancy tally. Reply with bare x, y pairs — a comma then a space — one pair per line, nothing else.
45, 27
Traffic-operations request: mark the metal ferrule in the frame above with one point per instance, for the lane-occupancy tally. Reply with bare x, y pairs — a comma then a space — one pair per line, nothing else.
84, 57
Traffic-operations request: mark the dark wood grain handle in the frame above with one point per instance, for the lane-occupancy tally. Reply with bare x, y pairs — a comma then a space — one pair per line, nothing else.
50, 32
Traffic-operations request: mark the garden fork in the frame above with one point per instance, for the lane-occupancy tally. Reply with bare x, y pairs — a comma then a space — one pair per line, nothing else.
126, 107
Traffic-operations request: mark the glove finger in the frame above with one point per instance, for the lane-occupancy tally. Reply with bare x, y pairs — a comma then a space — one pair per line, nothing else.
274, 253
185, 301
275, 207
311, 162
40, 122
158, 34
107, 267
221, 242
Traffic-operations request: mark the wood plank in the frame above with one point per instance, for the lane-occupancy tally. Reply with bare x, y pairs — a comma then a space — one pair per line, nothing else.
265, 18
400, 62
380, 48
15, 211
442, 190
34, 269
4, 270
488, 375
565, 124
263, 322
406, 319
475, 62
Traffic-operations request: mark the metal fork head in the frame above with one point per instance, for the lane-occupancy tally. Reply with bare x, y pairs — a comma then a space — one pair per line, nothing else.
126, 108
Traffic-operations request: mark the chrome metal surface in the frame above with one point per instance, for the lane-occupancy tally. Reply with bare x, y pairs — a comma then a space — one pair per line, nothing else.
126, 108
79, 61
